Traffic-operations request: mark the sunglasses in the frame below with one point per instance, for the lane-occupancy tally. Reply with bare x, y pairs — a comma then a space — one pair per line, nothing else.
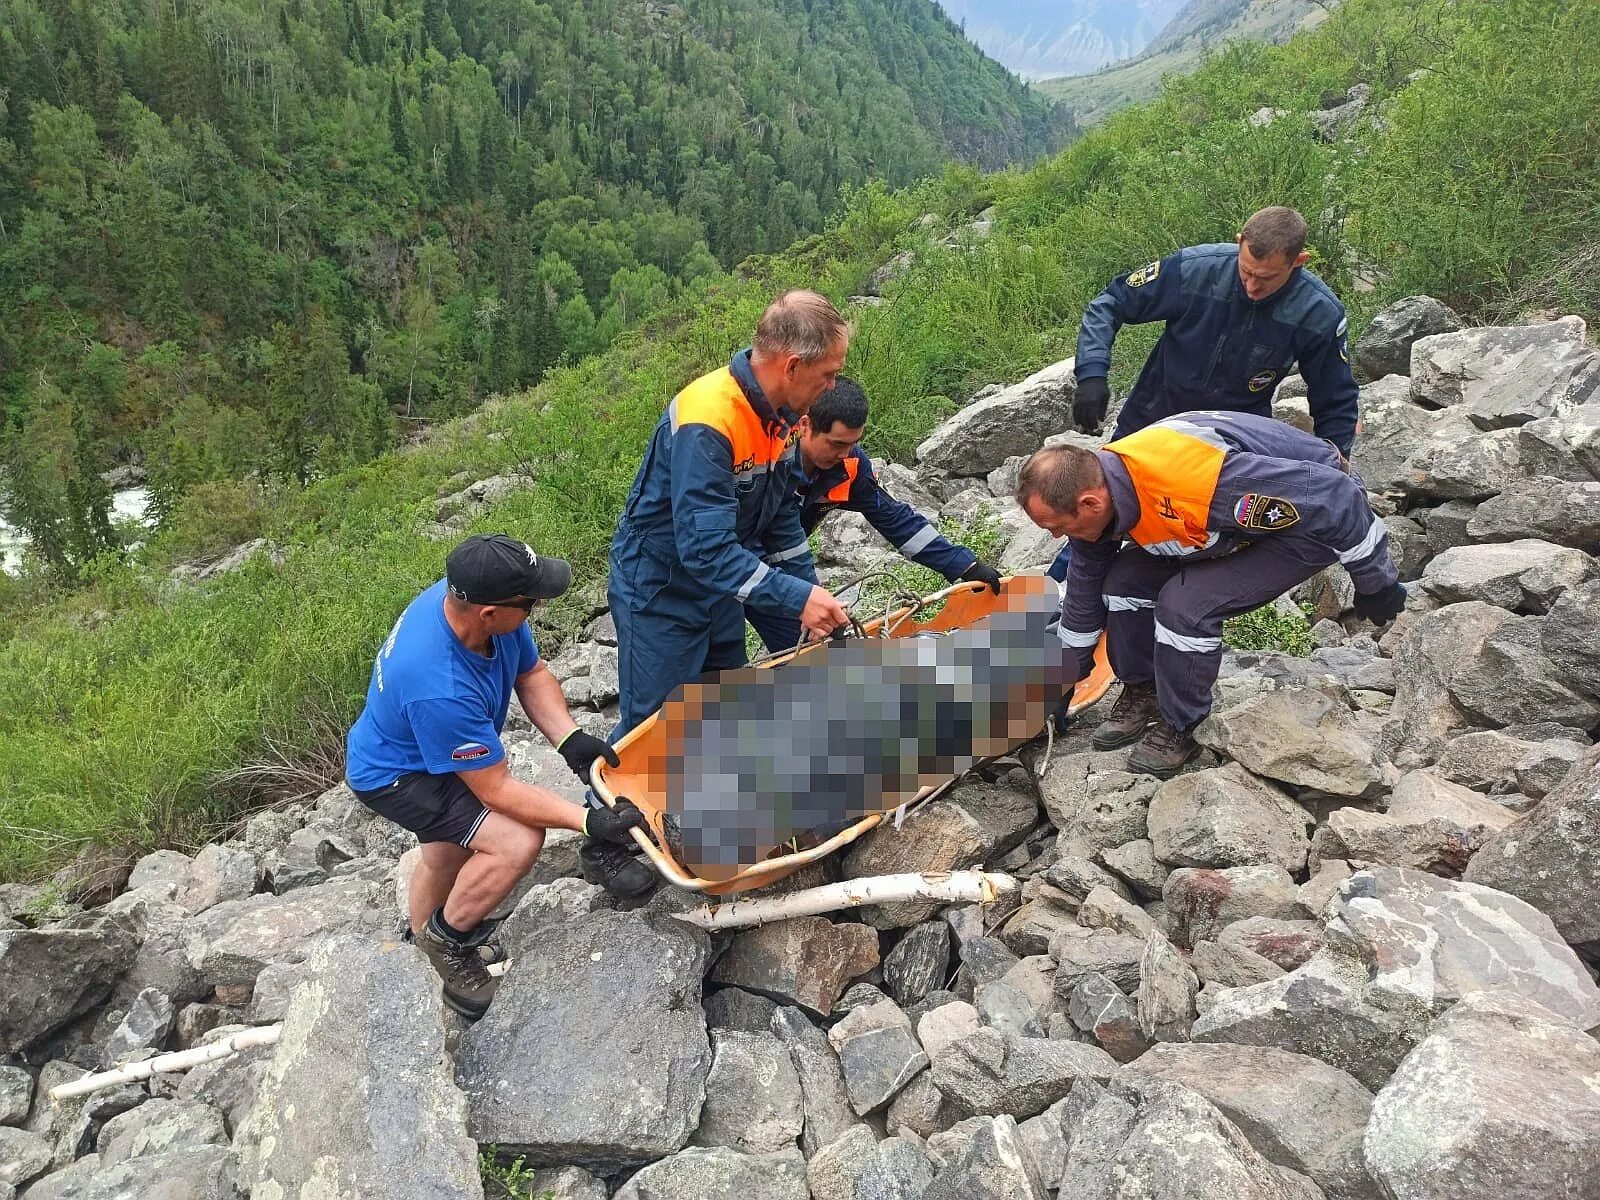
526, 606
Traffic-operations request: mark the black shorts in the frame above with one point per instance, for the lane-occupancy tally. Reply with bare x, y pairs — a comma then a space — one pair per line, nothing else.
437, 808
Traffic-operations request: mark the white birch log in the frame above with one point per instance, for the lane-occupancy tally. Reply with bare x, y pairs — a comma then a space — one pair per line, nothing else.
949, 886
183, 1060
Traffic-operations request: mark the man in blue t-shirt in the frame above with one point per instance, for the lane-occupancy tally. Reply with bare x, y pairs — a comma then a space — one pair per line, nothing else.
426, 751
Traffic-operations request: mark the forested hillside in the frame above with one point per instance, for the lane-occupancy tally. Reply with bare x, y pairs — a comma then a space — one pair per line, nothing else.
268, 238
139, 710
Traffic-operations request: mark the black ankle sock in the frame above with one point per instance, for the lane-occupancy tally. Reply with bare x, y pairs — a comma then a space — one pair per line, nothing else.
446, 930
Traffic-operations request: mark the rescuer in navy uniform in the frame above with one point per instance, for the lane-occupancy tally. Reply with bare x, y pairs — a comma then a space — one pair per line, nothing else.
1222, 512
835, 473
1239, 316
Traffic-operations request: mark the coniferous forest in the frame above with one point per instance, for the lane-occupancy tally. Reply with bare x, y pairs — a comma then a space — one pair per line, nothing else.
270, 238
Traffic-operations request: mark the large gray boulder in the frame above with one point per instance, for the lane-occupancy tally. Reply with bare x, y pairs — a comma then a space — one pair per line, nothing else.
825, 1101
1226, 817
195, 1173
1431, 825
806, 961
878, 1052
1297, 1111
1504, 376
1402, 946
859, 1167
611, 999
158, 1126
1298, 736
1555, 510
1433, 648
1384, 347
1551, 857
1016, 420
218, 874
1094, 803
992, 1165
363, 1048
50, 976
1498, 761
231, 942
989, 1073
1394, 432
719, 1174
1482, 686
975, 822
1202, 902
1501, 1101
1569, 637
752, 1095
1527, 575
1179, 1147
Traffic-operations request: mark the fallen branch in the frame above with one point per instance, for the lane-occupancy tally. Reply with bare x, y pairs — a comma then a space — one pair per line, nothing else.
183, 1060
947, 886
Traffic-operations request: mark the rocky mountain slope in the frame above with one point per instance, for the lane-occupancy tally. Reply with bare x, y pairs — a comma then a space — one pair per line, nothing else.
1045, 38
1351, 953
1200, 26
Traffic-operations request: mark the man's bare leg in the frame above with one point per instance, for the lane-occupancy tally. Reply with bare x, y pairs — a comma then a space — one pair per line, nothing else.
433, 878
503, 851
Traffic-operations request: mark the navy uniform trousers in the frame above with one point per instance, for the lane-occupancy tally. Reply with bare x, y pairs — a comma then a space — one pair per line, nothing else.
1165, 614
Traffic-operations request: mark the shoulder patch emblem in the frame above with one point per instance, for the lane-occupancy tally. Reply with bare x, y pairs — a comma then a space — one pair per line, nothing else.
1145, 274
1262, 380
468, 751
1255, 511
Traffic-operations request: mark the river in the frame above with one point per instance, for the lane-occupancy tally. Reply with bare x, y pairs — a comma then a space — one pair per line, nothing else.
129, 504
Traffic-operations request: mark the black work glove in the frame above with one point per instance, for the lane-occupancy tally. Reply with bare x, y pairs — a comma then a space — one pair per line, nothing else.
580, 749
1381, 607
1089, 407
612, 824
982, 572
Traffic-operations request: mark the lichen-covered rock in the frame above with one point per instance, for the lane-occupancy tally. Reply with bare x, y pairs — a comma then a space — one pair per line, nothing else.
1501, 1101
1297, 1111
878, 1052
1550, 858
1226, 817
752, 1095
363, 1049
991, 1073
608, 998
1299, 736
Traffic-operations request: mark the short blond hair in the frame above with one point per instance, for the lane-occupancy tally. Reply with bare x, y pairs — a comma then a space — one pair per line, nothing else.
799, 322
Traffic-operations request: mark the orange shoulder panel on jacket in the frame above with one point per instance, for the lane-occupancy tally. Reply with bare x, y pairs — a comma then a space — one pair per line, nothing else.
717, 401
839, 493
1174, 475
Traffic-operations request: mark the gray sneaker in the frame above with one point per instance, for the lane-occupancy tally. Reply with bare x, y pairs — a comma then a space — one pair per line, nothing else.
468, 986
1132, 714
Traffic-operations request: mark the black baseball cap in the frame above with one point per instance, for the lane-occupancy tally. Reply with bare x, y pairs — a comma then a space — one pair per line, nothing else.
491, 567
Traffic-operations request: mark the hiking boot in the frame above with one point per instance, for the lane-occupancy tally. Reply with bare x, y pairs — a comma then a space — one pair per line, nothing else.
615, 868
1162, 751
484, 939
1130, 717
468, 986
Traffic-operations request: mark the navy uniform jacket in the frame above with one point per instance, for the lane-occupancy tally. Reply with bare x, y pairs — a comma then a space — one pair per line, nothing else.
1200, 485
713, 501
1221, 349
853, 485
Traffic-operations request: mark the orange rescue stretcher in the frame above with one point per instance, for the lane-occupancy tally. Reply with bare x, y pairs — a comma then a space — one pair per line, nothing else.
963, 604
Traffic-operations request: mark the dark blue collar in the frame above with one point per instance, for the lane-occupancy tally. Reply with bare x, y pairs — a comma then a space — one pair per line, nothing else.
780, 418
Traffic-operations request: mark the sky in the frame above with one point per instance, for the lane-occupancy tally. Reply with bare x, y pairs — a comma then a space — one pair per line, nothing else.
1039, 39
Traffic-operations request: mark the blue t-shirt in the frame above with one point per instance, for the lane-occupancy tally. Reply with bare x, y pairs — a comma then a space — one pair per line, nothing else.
433, 705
